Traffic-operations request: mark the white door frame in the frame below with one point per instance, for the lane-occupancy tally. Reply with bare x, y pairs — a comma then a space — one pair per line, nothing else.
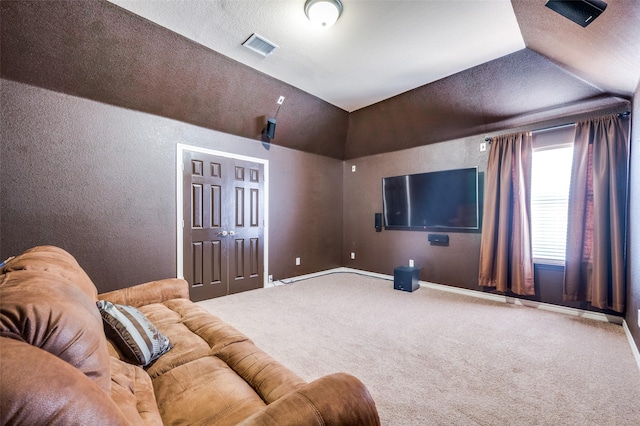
180, 148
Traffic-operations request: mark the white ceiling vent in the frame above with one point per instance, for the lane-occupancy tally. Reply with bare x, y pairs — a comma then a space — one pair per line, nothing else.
259, 44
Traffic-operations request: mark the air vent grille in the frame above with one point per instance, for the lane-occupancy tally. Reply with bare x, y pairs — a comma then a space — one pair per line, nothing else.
259, 45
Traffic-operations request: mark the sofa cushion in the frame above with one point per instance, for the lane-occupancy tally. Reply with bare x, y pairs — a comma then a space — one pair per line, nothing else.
267, 376
194, 333
131, 331
54, 261
214, 374
132, 391
52, 313
149, 292
205, 392
49, 391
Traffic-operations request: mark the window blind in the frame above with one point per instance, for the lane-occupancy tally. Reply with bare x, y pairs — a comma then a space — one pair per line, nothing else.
550, 179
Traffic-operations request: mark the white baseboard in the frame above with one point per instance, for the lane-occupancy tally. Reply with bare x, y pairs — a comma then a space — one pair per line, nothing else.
508, 299
632, 343
473, 293
292, 280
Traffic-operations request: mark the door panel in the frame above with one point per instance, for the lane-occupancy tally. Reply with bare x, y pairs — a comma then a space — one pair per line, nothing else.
254, 247
216, 206
197, 273
239, 211
239, 258
196, 206
254, 208
248, 231
223, 237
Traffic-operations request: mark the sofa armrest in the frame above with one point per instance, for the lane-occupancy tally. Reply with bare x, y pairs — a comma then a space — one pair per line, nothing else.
336, 399
147, 293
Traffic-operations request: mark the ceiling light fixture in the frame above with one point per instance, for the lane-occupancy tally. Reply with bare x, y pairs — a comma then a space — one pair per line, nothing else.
323, 13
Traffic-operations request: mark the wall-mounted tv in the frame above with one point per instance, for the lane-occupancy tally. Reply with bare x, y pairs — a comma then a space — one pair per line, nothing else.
443, 200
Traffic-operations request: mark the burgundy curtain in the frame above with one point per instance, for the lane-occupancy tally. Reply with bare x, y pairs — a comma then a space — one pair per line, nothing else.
595, 266
506, 261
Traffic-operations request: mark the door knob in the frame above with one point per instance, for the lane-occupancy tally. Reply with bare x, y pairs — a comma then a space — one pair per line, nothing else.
232, 233
223, 233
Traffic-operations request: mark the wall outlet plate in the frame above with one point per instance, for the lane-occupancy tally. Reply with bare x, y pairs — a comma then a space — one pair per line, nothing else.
353, 168
411, 263
270, 278
297, 261
353, 255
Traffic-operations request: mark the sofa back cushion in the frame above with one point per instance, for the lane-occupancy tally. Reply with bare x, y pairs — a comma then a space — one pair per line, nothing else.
52, 313
54, 261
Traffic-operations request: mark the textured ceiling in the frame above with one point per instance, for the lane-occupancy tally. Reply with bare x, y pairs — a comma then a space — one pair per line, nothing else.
376, 50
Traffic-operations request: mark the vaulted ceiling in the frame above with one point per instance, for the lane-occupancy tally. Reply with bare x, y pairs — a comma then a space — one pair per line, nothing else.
376, 50
389, 75
379, 49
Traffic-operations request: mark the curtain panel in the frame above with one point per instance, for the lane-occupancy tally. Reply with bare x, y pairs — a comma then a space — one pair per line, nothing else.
595, 266
506, 261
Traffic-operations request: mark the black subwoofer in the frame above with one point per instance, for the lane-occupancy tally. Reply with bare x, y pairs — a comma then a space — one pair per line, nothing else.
406, 278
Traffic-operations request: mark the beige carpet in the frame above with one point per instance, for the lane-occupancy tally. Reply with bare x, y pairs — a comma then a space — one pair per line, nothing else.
436, 358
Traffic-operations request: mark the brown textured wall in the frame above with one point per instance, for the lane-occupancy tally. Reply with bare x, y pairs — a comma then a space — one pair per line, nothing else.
306, 214
633, 299
381, 252
96, 50
486, 98
100, 181
457, 264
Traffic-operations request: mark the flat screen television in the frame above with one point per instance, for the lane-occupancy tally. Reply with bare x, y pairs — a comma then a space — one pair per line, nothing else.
443, 200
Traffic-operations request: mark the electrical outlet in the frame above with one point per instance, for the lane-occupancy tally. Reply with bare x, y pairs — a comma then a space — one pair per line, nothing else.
483, 146
411, 263
297, 261
353, 168
270, 278
280, 100
353, 255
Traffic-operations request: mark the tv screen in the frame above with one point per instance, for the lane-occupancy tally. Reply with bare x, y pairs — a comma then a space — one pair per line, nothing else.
443, 200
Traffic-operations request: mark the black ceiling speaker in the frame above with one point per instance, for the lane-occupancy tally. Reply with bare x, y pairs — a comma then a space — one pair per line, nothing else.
582, 12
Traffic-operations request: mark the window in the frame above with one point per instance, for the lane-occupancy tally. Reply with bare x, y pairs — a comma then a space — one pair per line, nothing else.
550, 178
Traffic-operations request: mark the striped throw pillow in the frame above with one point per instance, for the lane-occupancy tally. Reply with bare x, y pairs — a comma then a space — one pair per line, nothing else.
130, 330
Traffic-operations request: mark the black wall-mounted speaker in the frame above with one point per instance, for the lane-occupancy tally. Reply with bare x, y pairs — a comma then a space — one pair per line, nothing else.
438, 239
270, 131
378, 222
582, 12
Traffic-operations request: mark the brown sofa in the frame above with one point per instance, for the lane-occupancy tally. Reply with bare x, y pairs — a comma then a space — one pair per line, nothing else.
57, 366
